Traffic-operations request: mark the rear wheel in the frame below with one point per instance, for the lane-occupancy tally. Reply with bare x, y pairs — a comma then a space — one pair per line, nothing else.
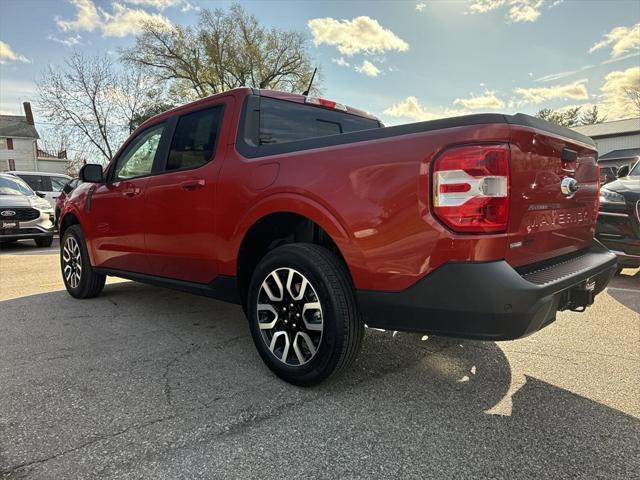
302, 313
79, 277
44, 241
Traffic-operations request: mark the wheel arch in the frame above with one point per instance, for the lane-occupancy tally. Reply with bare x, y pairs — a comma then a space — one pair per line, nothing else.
289, 220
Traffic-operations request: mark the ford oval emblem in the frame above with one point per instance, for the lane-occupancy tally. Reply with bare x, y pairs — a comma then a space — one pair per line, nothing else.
7, 213
569, 186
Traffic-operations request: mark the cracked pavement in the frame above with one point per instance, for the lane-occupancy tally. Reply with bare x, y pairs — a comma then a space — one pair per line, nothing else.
143, 382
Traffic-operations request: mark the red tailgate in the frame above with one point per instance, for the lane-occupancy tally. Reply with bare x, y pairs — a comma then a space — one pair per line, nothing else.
544, 222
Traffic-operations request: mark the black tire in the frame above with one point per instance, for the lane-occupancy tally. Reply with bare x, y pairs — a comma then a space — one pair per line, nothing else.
342, 329
44, 241
90, 283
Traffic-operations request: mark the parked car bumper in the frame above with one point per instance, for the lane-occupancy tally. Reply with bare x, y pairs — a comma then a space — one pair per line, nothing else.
43, 226
491, 300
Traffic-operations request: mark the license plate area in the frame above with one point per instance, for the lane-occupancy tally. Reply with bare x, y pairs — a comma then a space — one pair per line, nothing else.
9, 224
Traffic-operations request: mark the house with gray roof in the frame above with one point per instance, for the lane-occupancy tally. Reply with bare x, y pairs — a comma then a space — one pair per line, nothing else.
19, 146
618, 141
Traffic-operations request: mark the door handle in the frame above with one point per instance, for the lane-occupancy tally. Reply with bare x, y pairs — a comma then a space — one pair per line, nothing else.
190, 185
130, 190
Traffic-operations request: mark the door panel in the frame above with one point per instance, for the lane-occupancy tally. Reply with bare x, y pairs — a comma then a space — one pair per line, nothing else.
118, 208
180, 226
117, 213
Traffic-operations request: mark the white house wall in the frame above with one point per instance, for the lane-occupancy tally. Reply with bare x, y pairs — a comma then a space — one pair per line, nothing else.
23, 153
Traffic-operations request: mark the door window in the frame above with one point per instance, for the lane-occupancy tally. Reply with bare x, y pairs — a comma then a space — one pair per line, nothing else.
137, 159
194, 139
58, 183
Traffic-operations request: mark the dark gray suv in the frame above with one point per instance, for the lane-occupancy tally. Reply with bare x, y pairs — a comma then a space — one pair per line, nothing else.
23, 214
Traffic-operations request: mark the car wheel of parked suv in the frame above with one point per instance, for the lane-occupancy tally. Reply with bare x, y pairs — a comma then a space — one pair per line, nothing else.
44, 241
303, 314
79, 277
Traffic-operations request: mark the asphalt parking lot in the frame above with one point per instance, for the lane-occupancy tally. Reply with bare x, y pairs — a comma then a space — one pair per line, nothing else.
143, 382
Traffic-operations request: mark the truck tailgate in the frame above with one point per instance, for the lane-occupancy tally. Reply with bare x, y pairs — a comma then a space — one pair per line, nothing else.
545, 219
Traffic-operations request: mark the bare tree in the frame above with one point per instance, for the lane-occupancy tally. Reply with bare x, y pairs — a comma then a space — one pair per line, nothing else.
633, 94
592, 116
91, 103
227, 49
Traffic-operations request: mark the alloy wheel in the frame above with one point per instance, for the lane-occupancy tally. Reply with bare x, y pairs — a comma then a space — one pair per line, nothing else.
290, 316
72, 262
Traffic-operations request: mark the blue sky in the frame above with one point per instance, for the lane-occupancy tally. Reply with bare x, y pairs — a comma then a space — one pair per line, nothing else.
401, 60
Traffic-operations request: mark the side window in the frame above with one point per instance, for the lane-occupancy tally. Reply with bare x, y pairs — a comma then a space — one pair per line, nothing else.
194, 140
38, 183
58, 183
137, 159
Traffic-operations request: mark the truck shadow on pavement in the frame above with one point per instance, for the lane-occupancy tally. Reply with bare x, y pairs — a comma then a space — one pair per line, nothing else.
151, 383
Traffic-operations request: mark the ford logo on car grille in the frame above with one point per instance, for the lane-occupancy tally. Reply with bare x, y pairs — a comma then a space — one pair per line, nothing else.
7, 213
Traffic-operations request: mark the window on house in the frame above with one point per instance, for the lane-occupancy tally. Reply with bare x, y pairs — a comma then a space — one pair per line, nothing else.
9, 143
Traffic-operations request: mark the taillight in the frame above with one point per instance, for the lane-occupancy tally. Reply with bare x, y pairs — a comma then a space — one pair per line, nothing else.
323, 102
598, 193
471, 188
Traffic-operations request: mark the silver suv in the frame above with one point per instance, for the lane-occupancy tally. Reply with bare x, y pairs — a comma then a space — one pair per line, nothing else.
23, 214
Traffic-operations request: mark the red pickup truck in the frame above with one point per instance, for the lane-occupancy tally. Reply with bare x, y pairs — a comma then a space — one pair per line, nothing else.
318, 220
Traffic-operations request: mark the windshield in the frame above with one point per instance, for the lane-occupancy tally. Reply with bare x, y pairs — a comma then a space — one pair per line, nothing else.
14, 186
635, 171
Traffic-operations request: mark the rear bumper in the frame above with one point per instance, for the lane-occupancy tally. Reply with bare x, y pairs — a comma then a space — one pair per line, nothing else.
490, 300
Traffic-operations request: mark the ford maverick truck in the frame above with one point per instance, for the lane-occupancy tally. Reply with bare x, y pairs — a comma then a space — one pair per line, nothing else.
319, 220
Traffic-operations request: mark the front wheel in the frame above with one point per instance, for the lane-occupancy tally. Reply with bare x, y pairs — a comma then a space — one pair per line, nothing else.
79, 277
302, 313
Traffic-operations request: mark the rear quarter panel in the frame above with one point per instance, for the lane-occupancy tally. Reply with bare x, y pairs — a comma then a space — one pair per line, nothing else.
376, 197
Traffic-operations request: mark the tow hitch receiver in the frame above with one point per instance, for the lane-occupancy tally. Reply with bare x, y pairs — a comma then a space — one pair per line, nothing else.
578, 298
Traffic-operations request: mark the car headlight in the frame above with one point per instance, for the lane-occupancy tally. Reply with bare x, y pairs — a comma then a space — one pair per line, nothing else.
608, 196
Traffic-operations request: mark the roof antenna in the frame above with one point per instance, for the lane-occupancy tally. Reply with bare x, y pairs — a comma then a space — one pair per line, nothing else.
306, 92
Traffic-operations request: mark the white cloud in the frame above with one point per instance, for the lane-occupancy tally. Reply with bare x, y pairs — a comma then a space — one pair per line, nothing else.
621, 40
368, 68
525, 10
484, 6
120, 22
420, 6
486, 101
362, 34
556, 3
614, 100
341, 62
69, 41
576, 91
519, 10
184, 5
8, 55
411, 108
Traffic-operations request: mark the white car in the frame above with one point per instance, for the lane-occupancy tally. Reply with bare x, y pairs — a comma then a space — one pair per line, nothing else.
23, 214
48, 183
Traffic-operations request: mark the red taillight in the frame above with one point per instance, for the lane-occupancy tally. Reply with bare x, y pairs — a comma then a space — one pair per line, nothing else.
471, 188
323, 102
598, 194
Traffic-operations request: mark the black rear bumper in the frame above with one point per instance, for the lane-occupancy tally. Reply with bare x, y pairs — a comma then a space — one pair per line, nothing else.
491, 300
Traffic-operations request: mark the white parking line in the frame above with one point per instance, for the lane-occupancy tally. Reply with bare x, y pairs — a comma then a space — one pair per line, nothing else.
620, 289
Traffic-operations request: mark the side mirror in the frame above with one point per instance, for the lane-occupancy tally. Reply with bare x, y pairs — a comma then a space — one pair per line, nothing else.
91, 173
623, 171
41, 195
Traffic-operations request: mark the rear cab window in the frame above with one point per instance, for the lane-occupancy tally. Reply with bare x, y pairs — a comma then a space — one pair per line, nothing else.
282, 121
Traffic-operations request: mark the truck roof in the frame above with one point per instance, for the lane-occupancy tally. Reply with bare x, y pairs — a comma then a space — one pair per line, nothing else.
244, 91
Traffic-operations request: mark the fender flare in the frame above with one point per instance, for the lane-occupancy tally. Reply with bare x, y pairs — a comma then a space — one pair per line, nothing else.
296, 203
